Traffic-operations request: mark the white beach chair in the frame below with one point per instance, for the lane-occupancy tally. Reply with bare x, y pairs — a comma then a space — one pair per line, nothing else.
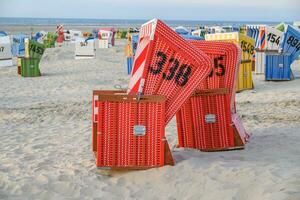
5, 52
105, 39
84, 48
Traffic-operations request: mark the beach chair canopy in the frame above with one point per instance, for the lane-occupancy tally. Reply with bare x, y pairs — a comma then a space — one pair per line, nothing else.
18, 44
39, 36
2, 33
182, 30
104, 34
192, 37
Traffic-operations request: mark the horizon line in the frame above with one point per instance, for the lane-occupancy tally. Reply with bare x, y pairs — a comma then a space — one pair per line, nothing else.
195, 20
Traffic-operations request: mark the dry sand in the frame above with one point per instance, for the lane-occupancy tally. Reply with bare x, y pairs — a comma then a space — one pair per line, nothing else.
45, 134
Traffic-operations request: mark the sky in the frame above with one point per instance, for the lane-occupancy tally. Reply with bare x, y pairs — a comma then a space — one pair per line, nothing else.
219, 10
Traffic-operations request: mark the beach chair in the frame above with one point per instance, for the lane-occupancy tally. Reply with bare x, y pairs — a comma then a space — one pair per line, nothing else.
278, 65
131, 126
5, 52
18, 45
49, 40
105, 39
33, 54
291, 43
244, 78
281, 26
3, 33
114, 31
253, 31
199, 32
39, 36
60, 35
85, 48
208, 120
121, 34
269, 41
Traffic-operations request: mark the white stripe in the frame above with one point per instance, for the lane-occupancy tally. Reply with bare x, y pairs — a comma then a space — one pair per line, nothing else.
95, 108
136, 77
141, 47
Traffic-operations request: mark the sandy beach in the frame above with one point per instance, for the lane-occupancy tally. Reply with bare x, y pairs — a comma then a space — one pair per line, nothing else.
45, 134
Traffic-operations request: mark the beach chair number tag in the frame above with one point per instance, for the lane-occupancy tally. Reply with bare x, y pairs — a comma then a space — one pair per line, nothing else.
273, 38
246, 47
1, 49
36, 49
219, 67
139, 130
294, 42
83, 44
178, 72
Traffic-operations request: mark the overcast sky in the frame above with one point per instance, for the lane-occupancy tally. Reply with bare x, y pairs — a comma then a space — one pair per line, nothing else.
237, 10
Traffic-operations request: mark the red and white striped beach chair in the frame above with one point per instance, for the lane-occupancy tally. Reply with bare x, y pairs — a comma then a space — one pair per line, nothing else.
208, 120
166, 64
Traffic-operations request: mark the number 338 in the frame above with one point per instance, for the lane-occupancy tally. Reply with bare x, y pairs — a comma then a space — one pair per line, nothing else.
179, 72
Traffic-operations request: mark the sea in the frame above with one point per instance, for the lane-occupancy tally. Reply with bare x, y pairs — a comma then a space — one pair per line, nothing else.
125, 23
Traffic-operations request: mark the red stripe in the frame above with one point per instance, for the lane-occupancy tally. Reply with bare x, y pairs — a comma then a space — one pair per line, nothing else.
263, 44
261, 37
135, 87
139, 60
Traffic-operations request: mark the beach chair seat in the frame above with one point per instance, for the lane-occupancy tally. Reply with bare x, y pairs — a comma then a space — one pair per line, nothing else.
30, 67
278, 67
130, 132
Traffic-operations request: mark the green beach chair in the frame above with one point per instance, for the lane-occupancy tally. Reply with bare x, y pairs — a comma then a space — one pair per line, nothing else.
30, 64
49, 40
